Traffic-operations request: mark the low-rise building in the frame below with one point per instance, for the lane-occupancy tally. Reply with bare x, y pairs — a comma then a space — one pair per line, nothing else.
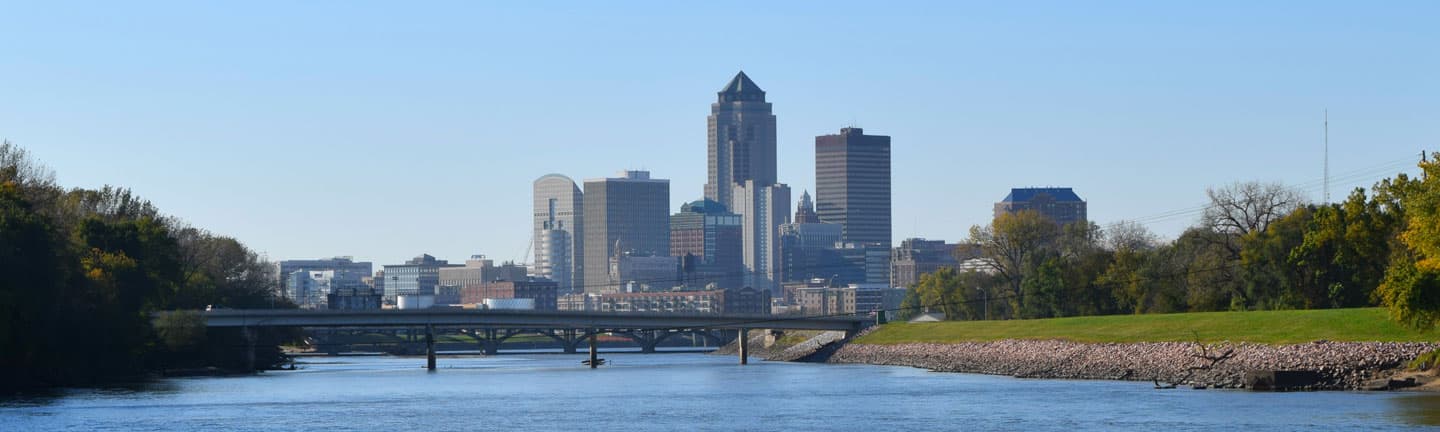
826, 301
544, 292
477, 270
419, 276
712, 302
916, 257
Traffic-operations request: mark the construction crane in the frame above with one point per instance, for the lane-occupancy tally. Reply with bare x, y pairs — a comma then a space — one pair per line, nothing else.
525, 258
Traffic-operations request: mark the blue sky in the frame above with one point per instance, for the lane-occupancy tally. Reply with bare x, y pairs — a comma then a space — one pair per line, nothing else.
387, 129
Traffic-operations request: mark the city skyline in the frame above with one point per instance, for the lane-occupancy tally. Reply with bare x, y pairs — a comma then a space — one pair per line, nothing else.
1114, 123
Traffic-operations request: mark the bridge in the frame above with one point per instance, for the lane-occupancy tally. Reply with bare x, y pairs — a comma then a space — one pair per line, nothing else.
491, 327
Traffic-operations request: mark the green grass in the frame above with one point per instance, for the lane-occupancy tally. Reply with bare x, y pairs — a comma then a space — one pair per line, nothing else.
1270, 327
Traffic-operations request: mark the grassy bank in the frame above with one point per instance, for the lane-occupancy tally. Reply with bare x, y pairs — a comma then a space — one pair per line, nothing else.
1272, 327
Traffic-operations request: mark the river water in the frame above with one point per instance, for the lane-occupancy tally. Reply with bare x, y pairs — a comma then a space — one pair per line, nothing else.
674, 392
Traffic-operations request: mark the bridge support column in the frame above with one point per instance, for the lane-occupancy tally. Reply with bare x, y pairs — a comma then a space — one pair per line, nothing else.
744, 346
490, 343
249, 334
594, 350
430, 347
570, 341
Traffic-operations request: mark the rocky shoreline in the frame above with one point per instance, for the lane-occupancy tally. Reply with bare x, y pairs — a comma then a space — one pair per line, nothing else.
1330, 365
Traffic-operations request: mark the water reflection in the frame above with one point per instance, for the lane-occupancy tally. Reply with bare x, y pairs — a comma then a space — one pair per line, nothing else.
1418, 409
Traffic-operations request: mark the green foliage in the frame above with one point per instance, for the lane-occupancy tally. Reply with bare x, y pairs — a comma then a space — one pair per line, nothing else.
1043, 292
1411, 289
1425, 362
181, 330
956, 294
1412, 294
91, 265
1269, 281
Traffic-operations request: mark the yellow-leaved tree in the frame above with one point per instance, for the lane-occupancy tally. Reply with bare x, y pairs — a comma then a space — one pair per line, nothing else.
1411, 289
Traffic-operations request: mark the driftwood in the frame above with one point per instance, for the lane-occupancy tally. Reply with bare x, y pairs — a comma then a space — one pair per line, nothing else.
1210, 361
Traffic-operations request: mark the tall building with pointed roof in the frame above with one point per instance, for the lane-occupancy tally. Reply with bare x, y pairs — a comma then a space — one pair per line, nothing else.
741, 140
805, 210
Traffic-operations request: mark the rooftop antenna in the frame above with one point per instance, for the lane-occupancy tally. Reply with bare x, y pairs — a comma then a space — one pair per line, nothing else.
1327, 155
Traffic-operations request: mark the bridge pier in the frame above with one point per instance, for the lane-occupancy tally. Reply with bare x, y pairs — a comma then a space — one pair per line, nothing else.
430, 347
489, 342
249, 334
594, 350
744, 346
571, 341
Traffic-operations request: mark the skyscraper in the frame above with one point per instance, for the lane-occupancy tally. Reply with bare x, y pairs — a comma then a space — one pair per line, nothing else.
762, 209
741, 140
1061, 205
852, 185
625, 214
559, 231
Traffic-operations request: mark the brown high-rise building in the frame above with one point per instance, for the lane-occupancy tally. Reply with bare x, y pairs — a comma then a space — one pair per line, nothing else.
852, 185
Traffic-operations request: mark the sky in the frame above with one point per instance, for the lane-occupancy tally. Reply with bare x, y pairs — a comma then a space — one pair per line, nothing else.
383, 130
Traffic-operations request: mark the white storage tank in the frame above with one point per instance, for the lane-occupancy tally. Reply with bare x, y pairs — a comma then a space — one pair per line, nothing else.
509, 304
414, 301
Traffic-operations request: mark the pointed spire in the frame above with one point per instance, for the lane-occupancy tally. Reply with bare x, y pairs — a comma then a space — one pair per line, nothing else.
741, 88
805, 210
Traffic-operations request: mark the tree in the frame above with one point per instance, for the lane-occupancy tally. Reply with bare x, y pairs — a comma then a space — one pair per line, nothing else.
1129, 236
1267, 279
1242, 208
1411, 290
1012, 243
1044, 292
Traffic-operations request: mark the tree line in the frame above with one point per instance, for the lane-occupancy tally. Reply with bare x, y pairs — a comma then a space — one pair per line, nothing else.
1257, 246
84, 269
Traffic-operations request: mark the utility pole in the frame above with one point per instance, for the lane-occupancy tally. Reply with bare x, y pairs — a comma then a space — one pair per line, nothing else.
1327, 156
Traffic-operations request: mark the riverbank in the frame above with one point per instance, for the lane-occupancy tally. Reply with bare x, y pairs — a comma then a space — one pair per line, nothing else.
1327, 365
1268, 327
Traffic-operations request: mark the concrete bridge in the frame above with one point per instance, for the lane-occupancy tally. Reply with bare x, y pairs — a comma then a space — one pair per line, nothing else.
492, 327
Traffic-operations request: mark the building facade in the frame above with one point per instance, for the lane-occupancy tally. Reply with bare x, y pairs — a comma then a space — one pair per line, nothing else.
763, 210
544, 292
916, 257
345, 273
420, 276
852, 184
702, 302
741, 138
637, 272
625, 214
708, 240
1061, 205
477, 270
808, 249
559, 231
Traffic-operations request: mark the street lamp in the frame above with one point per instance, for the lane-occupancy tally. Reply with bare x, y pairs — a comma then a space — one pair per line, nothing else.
985, 296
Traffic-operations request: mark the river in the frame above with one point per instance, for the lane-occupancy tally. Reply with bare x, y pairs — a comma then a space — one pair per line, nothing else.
673, 392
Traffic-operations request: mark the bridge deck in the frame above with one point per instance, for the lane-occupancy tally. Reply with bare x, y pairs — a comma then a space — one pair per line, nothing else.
517, 319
